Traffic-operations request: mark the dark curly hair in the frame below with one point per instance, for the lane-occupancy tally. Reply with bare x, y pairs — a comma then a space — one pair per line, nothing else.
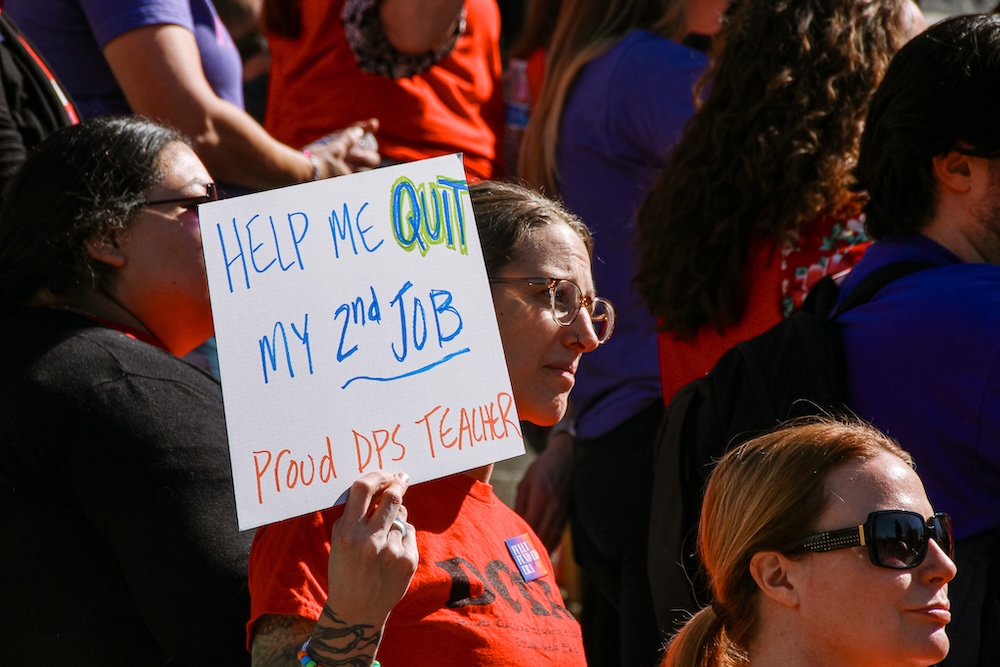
771, 147
82, 182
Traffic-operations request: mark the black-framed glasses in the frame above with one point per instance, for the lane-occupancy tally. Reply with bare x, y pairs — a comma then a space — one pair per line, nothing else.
211, 194
896, 539
566, 299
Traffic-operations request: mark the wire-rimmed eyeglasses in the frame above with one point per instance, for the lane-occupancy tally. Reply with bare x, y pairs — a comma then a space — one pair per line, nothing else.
211, 194
566, 299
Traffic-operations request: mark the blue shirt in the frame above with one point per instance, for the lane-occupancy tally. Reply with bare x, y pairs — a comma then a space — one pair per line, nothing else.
626, 111
71, 35
923, 365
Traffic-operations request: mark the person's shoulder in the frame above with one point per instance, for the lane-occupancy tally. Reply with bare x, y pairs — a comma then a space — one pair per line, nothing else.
972, 283
112, 18
53, 338
657, 51
73, 351
647, 66
963, 297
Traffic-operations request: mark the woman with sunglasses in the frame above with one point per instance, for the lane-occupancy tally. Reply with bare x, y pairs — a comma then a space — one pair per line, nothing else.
467, 604
116, 502
822, 549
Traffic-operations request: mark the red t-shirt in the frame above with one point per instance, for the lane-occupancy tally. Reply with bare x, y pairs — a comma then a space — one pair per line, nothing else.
454, 106
467, 604
777, 279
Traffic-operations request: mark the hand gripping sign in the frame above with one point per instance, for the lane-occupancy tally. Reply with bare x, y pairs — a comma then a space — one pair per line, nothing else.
356, 332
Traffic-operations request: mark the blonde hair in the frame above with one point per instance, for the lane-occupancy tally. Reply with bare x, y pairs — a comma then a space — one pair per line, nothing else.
585, 30
766, 494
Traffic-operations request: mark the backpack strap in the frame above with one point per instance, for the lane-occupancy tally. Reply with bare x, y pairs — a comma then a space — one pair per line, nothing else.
873, 283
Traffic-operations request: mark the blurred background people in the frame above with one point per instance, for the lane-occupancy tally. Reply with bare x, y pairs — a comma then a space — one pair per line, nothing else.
33, 104
522, 82
811, 535
429, 70
174, 61
755, 205
242, 19
618, 89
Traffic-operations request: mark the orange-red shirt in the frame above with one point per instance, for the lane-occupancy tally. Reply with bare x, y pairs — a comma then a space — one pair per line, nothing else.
777, 279
468, 603
454, 106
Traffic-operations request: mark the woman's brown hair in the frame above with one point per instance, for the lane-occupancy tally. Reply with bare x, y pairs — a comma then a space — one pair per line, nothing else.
585, 30
771, 147
765, 495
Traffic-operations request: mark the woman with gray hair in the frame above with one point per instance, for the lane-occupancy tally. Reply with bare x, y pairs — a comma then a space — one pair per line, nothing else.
116, 501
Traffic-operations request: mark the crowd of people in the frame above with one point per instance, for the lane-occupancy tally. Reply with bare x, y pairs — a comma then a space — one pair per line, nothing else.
699, 164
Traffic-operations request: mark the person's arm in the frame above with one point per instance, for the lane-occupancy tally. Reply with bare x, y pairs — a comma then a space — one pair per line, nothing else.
370, 567
544, 491
159, 70
277, 639
417, 26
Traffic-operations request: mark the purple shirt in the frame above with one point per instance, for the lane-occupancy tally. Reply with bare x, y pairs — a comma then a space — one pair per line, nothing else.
625, 113
71, 35
923, 365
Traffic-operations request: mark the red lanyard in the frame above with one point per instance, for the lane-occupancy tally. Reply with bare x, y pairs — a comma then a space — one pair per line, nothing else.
56, 88
131, 332
71, 114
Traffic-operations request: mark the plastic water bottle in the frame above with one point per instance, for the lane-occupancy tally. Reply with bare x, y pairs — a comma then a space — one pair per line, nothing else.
517, 109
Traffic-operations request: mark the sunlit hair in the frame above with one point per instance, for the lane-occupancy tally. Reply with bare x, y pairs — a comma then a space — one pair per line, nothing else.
82, 183
941, 93
771, 147
767, 494
507, 215
585, 30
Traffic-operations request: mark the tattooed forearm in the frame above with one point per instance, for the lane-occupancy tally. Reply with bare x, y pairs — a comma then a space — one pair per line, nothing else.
276, 639
335, 643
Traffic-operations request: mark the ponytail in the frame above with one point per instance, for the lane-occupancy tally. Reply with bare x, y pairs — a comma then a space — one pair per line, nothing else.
703, 642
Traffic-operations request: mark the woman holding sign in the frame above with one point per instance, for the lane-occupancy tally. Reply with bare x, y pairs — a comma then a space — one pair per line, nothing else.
116, 502
484, 592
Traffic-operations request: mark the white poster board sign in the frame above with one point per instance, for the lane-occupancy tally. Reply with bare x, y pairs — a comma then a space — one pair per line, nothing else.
356, 332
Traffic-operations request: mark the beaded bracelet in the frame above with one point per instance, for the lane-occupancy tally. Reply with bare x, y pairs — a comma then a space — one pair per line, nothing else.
314, 161
303, 656
307, 661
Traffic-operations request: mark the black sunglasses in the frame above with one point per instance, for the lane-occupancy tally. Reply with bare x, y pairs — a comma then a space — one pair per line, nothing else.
211, 194
895, 539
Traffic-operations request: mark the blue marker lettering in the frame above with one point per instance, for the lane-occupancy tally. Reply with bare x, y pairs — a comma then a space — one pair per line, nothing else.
362, 232
402, 319
296, 238
238, 256
304, 338
255, 248
441, 303
269, 351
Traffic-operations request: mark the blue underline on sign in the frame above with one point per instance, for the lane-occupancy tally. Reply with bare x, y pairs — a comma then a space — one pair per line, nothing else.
418, 371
